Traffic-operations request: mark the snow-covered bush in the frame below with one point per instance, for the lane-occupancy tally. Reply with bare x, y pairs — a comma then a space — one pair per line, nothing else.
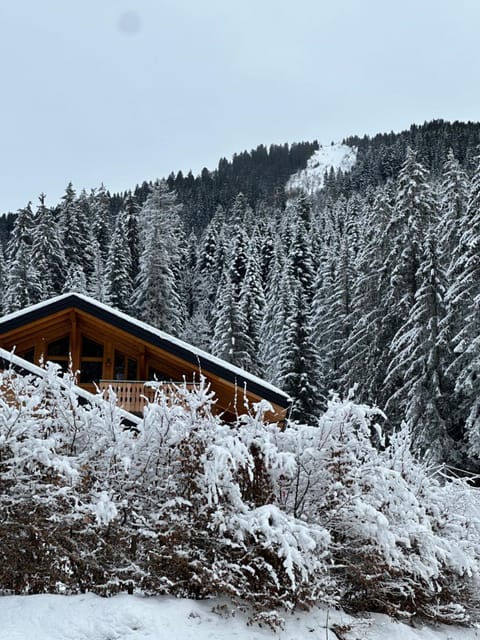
399, 542
189, 505
184, 505
199, 499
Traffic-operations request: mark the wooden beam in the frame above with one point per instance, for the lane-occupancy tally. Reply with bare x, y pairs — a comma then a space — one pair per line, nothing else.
74, 341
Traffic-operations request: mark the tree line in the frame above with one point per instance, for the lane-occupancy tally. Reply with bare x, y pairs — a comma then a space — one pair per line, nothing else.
375, 291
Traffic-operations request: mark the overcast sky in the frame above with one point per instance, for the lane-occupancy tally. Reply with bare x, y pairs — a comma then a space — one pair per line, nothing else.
117, 92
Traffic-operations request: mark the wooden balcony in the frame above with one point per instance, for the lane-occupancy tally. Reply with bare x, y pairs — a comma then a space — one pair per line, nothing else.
132, 395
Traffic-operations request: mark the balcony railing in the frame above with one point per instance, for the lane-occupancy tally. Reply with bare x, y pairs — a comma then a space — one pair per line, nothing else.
132, 395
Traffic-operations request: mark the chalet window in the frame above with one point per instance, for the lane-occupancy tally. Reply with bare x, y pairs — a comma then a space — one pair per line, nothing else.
58, 351
91, 360
125, 368
59, 347
91, 349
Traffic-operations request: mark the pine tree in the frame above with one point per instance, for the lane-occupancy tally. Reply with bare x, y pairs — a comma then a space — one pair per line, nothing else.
231, 341
299, 368
22, 231
158, 296
96, 282
47, 252
23, 285
277, 309
419, 361
453, 201
76, 228
75, 280
463, 321
327, 321
238, 244
100, 219
366, 351
413, 213
118, 268
252, 307
3, 277
299, 246
87, 240
131, 213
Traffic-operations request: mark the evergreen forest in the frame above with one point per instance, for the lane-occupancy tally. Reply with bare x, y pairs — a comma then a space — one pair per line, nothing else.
367, 289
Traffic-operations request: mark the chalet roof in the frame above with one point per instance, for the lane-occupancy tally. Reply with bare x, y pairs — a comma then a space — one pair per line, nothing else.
197, 357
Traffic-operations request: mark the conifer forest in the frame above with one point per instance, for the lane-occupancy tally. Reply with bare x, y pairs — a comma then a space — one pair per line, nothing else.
368, 287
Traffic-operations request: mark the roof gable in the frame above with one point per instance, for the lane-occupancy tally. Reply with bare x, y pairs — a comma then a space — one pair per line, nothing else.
194, 356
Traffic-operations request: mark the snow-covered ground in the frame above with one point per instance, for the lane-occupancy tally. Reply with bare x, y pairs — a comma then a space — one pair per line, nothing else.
89, 617
337, 155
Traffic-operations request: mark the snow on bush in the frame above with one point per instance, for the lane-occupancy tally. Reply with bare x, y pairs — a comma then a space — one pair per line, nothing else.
191, 506
400, 543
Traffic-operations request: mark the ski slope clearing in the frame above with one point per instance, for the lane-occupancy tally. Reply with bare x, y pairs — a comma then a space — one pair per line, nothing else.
334, 156
123, 617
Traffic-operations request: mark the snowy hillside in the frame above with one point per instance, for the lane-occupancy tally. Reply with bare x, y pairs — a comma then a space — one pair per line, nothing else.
89, 617
336, 156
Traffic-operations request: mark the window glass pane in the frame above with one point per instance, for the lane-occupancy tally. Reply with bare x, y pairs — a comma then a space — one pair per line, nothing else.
90, 371
131, 369
91, 349
119, 369
59, 347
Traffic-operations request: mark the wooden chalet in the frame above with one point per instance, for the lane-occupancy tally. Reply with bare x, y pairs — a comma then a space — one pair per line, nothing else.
110, 348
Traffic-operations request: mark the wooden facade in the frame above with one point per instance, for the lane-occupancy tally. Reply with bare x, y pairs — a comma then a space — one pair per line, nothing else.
109, 348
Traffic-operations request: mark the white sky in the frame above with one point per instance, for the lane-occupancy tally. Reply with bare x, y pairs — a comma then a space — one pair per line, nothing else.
122, 91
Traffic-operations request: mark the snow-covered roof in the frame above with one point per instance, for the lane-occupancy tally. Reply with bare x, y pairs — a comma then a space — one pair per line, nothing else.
188, 352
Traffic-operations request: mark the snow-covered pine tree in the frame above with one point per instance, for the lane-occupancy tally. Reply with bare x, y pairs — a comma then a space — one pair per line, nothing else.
412, 215
252, 307
299, 248
158, 295
231, 340
131, 212
210, 262
299, 371
197, 328
75, 280
366, 351
277, 310
22, 231
96, 283
452, 203
420, 359
100, 218
23, 285
3, 277
73, 219
237, 250
265, 234
333, 324
48, 252
87, 242
324, 324
118, 268
463, 321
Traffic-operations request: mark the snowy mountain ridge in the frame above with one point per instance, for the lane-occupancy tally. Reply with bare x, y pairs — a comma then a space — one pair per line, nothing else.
334, 156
